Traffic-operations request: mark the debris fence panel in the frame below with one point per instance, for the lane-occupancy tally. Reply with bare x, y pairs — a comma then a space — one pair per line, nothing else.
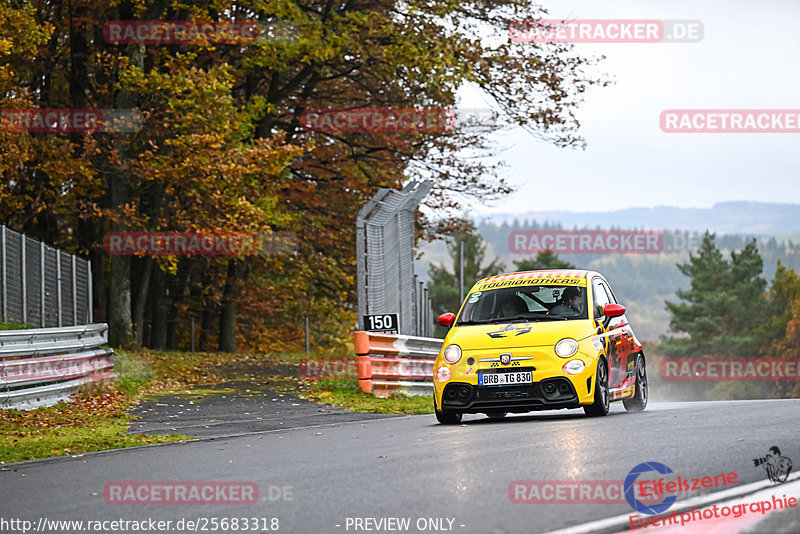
385, 260
40, 285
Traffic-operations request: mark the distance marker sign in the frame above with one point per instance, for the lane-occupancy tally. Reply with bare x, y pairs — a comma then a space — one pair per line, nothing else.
385, 323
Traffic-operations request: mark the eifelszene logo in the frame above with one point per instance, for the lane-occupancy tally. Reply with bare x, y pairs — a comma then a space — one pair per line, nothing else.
636, 504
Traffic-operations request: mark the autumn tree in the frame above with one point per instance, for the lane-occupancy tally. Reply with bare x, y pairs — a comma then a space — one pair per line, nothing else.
221, 122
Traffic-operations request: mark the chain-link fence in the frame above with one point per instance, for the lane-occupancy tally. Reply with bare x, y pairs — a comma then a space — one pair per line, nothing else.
385, 259
42, 286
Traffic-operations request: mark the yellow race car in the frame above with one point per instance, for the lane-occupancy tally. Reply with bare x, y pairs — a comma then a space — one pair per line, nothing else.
538, 340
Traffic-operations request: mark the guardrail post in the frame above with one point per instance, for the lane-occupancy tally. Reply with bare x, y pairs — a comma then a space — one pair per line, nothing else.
427, 308
74, 292
307, 337
4, 252
24, 273
41, 284
90, 301
58, 283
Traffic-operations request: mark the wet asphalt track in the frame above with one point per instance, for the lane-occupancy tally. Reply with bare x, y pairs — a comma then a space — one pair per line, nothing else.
411, 467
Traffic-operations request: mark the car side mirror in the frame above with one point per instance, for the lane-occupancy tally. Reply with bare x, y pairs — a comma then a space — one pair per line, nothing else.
613, 310
446, 319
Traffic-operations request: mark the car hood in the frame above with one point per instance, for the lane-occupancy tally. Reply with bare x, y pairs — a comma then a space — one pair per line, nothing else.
513, 335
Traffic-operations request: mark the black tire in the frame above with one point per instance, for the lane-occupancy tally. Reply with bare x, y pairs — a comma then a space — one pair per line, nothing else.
638, 402
446, 418
600, 405
496, 415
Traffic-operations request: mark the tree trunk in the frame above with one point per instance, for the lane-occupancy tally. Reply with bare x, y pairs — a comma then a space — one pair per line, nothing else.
176, 289
227, 316
120, 328
120, 332
205, 324
159, 311
146, 268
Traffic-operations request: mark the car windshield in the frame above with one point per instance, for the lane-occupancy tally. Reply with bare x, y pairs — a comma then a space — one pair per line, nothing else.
532, 302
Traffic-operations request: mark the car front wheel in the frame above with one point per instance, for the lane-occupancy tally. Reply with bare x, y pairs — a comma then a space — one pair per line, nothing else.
638, 402
446, 418
600, 405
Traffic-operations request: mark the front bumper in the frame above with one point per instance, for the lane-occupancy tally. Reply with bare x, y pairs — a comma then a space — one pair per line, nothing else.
548, 394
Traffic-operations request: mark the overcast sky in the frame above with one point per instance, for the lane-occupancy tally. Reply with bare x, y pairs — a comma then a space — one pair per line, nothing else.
748, 59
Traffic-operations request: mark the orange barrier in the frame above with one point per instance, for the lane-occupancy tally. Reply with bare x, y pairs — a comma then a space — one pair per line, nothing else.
392, 363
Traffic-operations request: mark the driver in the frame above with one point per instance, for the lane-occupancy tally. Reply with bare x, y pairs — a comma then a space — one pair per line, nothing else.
571, 302
513, 305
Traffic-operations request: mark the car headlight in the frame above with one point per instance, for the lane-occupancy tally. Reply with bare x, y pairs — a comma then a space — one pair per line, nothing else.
452, 354
566, 347
573, 367
443, 374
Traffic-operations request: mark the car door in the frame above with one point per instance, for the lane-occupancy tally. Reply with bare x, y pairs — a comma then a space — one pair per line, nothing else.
610, 333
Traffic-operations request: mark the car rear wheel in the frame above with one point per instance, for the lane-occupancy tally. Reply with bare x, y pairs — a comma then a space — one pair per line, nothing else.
638, 402
446, 418
600, 405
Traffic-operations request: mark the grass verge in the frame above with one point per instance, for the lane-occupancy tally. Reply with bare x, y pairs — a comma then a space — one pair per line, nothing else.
97, 418
91, 421
345, 393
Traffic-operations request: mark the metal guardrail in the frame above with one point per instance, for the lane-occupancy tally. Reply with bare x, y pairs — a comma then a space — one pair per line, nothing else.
42, 366
391, 363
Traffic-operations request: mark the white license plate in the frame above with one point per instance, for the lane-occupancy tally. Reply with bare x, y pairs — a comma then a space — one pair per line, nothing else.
505, 379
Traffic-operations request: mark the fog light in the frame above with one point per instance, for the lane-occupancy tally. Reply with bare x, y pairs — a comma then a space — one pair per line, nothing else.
463, 392
563, 387
443, 374
573, 367
549, 388
451, 393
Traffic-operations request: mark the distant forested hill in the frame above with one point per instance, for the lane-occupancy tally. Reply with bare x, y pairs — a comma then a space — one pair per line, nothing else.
643, 282
757, 218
